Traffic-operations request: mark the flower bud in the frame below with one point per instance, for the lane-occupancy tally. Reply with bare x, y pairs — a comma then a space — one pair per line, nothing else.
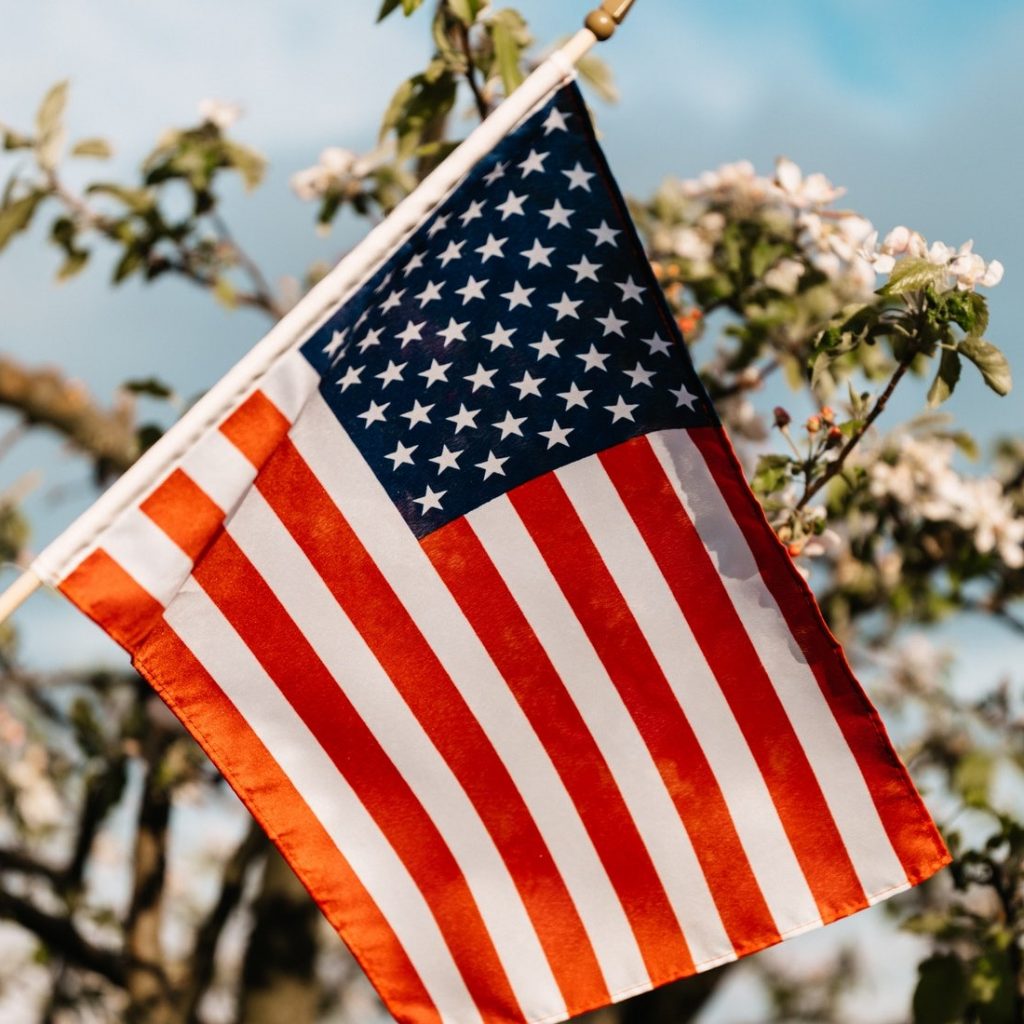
828, 414
794, 549
813, 424
835, 437
782, 418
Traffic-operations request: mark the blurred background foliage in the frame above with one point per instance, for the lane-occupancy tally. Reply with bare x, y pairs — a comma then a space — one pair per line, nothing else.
898, 526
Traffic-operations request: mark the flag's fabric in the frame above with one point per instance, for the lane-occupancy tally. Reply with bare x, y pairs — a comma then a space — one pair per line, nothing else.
470, 603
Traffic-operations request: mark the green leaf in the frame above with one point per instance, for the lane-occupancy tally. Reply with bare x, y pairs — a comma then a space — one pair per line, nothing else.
972, 778
941, 994
946, 378
98, 148
50, 126
148, 386
139, 200
913, 276
14, 140
993, 365
408, 7
73, 264
507, 34
249, 164
466, 10
17, 215
599, 76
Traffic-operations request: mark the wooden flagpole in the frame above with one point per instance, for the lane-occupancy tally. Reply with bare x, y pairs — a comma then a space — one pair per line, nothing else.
600, 25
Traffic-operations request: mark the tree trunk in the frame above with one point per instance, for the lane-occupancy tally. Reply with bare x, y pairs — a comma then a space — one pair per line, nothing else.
279, 984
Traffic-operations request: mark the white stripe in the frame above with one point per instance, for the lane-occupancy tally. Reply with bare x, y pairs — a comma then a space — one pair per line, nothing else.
220, 469
340, 646
289, 385
673, 644
552, 619
210, 637
336, 461
834, 765
147, 554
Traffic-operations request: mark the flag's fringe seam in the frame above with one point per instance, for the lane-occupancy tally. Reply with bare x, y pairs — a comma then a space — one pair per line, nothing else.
62, 554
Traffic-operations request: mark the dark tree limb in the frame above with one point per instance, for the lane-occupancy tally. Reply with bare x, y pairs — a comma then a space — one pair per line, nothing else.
61, 936
201, 962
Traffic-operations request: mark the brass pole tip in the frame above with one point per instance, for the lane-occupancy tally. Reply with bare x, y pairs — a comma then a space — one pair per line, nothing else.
601, 23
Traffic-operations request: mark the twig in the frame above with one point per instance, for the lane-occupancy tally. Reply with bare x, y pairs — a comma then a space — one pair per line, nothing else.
261, 287
482, 106
835, 467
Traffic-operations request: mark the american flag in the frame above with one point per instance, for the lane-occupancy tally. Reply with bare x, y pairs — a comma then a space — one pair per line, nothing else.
469, 601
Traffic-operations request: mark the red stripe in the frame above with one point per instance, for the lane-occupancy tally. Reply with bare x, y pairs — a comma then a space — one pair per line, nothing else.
112, 598
184, 512
368, 600
906, 820
266, 628
256, 428
488, 604
588, 586
258, 780
687, 567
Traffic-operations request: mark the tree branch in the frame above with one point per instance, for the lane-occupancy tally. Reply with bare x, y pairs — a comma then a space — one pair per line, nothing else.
483, 108
199, 972
835, 467
63, 938
46, 398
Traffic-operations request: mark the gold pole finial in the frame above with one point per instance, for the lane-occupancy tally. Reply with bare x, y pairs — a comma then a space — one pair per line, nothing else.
608, 17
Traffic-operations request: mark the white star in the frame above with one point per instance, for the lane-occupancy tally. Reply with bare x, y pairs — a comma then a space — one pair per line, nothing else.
528, 385
333, 347
555, 122
510, 425
492, 247
464, 418
372, 338
430, 500
534, 162
474, 290
574, 397
453, 332
585, 270
352, 375
538, 254
594, 360
640, 376
401, 456
437, 372
496, 172
604, 235
453, 252
513, 206
658, 345
385, 281
556, 435
481, 378
621, 410
611, 324
547, 346
447, 459
414, 264
418, 414
500, 337
412, 332
630, 290
519, 296
392, 300
439, 225
472, 212
363, 317
375, 414
391, 374
492, 465
579, 178
558, 215
683, 397
431, 293
566, 307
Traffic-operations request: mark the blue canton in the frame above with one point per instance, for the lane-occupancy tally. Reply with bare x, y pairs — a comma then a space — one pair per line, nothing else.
519, 329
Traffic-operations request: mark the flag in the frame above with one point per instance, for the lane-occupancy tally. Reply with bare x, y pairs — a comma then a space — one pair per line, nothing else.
469, 601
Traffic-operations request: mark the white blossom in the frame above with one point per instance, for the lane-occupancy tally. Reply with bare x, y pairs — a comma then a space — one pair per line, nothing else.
36, 798
220, 112
815, 190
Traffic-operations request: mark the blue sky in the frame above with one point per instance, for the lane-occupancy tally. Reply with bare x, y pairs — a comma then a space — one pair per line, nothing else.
913, 105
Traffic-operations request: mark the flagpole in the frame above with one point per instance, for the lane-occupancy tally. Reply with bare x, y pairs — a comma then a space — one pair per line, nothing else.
600, 25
